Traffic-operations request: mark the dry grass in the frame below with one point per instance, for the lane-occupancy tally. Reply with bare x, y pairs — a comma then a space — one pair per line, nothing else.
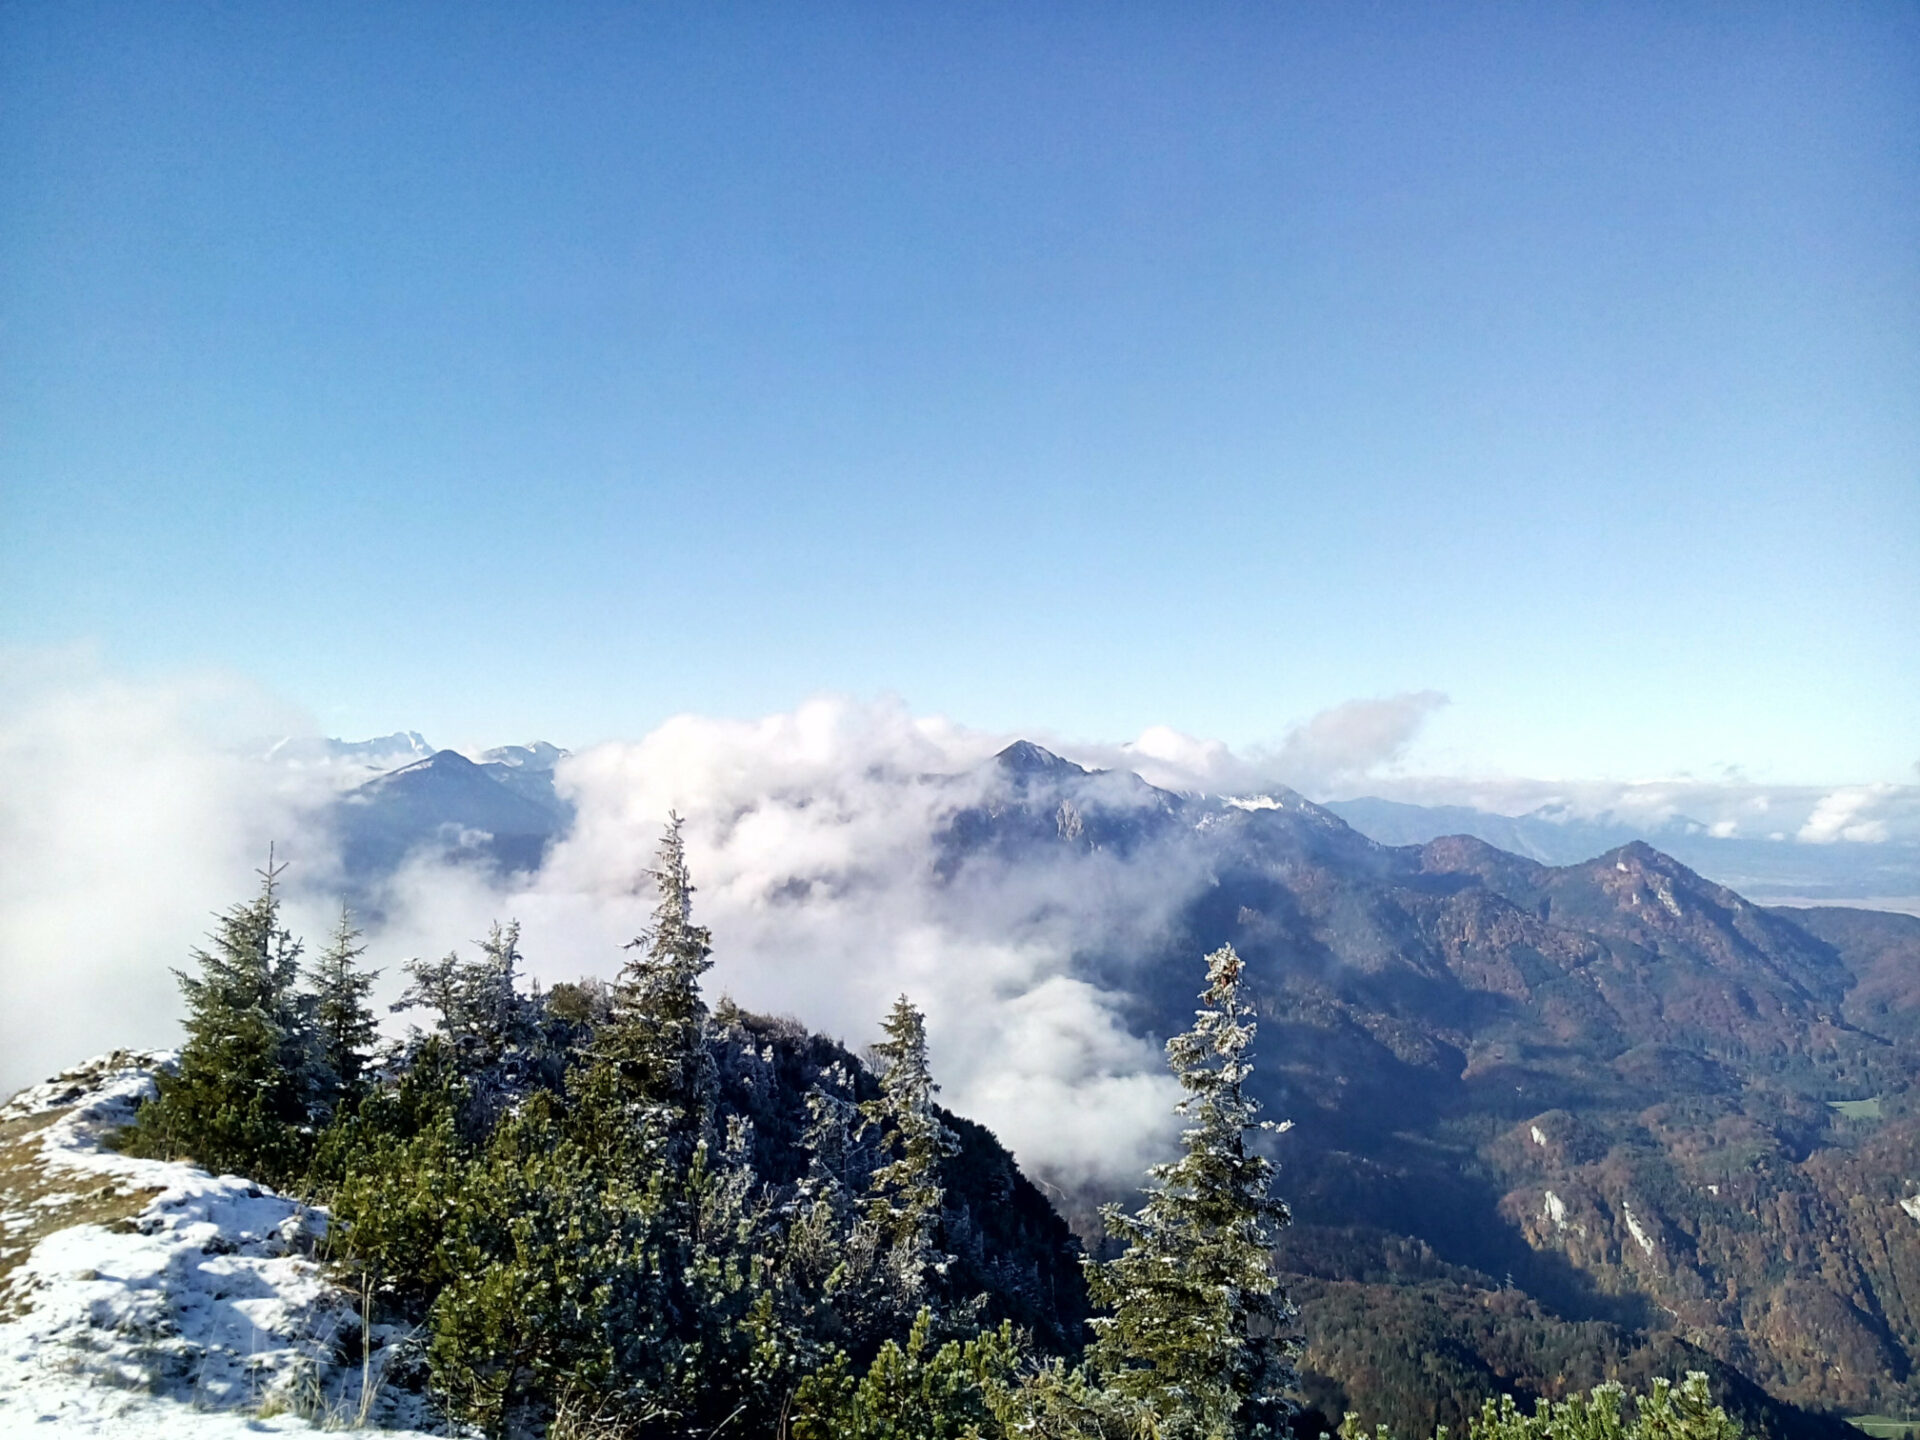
36, 1200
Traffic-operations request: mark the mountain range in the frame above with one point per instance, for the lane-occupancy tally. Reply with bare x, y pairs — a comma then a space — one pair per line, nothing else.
1759, 868
405, 795
1553, 1120
1540, 1112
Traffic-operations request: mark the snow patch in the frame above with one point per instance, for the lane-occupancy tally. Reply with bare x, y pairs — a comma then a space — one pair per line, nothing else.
1538, 1138
1555, 1209
185, 1318
1912, 1206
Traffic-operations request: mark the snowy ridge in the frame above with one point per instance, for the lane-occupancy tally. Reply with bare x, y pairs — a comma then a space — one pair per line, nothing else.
149, 1299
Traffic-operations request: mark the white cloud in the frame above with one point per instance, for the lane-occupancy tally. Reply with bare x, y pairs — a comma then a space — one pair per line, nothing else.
1847, 814
1354, 739
1344, 745
128, 813
133, 810
812, 838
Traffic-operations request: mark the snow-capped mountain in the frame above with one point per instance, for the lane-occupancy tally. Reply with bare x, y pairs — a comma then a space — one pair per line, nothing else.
375, 756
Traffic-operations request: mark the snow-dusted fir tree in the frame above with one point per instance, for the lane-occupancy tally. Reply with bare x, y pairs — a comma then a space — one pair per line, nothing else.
240, 1100
829, 1138
435, 985
905, 1194
497, 1016
343, 1025
655, 1039
1198, 1327
481, 1011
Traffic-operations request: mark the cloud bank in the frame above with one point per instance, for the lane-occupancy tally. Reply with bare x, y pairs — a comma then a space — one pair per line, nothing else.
127, 813
134, 810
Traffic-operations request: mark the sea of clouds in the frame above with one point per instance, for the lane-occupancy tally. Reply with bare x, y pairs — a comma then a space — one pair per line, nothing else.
135, 809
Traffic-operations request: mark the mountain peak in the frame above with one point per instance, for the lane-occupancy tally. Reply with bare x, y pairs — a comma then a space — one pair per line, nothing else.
443, 761
1639, 855
1023, 757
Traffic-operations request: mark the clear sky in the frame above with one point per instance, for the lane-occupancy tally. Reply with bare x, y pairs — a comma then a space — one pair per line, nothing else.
521, 370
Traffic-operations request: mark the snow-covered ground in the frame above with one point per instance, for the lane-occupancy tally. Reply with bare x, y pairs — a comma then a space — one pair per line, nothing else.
151, 1300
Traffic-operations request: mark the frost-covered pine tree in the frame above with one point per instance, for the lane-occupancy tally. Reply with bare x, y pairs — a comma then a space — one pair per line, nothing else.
343, 1025
829, 1137
240, 1099
904, 1193
655, 1038
1198, 1328
482, 1013
496, 1015
436, 985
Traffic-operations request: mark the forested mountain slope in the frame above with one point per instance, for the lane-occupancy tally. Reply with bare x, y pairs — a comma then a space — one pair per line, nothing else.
1551, 1125
1536, 1099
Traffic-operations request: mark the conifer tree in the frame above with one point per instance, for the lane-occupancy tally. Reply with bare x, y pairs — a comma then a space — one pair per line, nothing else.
904, 1193
829, 1138
240, 1100
343, 1025
655, 1039
436, 986
1198, 1329
500, 1040
496, 1016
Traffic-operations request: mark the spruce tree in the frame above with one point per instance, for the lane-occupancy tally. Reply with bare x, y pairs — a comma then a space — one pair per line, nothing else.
904, 1193
241, 1098
496, 1017
654, 1041
1198, 1329
436, 986
829, 1139
343, 1025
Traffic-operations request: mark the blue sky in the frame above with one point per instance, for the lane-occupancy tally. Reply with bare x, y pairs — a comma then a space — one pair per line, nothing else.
506, 371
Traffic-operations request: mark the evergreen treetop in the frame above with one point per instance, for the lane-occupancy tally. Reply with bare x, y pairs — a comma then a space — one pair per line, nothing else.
482, 1014
242, 1096
1198, 1328
655, 1036
343, 1026
905, 1193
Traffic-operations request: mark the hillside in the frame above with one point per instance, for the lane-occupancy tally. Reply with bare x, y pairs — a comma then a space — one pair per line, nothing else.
149, 1300
1551, 1124
1776, 866
1542, 1098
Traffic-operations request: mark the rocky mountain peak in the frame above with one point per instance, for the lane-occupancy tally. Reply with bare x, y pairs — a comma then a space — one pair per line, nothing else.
1023, 757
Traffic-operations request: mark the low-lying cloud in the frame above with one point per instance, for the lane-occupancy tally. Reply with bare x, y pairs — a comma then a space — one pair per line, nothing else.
128, 812
812, 839
134, 810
